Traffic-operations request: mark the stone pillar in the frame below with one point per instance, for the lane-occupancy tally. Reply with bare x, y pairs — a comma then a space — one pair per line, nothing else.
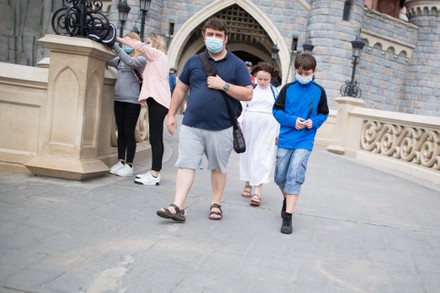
70, 140
343, 124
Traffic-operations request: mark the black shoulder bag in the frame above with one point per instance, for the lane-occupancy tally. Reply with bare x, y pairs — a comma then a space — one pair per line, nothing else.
139, 78
238, 138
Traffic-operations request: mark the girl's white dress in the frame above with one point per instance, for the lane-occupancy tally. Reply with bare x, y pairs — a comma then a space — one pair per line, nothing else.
260, 130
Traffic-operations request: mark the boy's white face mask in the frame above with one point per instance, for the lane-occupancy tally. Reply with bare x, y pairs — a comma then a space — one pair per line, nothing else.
303, 79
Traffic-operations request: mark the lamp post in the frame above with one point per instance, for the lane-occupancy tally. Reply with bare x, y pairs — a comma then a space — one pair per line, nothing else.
308, 46
351, 88
123, 9
274, 52
135, 29
144, 7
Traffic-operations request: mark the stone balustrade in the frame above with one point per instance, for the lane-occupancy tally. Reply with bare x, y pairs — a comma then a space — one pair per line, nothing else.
406, 143
49, 135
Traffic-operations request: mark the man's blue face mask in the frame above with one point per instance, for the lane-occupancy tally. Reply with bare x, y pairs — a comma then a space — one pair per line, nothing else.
214, 45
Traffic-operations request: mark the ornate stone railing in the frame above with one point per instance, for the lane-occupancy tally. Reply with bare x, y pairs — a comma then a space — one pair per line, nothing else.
415, 145
406, 143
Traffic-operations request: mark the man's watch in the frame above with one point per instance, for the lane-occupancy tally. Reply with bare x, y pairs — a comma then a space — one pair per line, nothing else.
226, 87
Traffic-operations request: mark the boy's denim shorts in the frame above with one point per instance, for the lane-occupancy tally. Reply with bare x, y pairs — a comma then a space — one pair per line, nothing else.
290, 169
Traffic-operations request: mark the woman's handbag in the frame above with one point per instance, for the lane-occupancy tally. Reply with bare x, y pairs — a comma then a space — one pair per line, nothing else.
237, 134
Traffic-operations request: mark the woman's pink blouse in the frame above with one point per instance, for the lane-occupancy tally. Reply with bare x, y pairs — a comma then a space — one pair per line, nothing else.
155, 84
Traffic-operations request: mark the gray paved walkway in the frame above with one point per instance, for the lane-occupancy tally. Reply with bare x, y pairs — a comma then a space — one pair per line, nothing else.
356, 229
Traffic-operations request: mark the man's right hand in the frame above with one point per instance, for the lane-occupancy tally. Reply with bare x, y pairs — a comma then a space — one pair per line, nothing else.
171, 124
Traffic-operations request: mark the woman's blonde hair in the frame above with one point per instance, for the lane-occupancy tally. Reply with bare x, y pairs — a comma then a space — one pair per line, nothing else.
136, 37
158, 42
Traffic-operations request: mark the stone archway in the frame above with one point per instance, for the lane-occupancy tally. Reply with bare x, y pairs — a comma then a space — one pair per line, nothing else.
250, 31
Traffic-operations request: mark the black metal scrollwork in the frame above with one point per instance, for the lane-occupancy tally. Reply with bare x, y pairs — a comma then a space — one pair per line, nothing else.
351, 89
79, 18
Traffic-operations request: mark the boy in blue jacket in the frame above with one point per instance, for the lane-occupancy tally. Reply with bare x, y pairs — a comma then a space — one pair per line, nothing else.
301, 108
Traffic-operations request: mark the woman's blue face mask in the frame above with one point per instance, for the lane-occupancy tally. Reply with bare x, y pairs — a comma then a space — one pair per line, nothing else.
127, 49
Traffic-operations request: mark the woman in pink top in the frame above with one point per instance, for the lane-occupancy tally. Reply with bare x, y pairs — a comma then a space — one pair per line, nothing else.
155, 93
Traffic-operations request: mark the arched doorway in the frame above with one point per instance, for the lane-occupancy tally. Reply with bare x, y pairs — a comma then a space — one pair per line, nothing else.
251, 34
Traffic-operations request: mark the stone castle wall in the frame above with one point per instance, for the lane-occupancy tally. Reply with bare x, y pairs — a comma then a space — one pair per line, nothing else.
398, 70
383, 66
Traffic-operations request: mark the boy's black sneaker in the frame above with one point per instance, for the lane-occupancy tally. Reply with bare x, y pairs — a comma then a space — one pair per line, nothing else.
283, 209
286, 227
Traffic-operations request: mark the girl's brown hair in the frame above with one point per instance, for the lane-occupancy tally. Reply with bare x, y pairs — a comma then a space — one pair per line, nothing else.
263, 66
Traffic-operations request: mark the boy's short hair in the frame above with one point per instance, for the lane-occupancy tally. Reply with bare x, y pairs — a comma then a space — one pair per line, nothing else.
305, 61
216, 24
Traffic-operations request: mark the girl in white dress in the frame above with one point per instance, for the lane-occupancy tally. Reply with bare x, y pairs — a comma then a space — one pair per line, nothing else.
260, 130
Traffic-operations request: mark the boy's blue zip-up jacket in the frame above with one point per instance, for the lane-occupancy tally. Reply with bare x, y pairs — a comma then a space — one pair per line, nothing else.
305, 101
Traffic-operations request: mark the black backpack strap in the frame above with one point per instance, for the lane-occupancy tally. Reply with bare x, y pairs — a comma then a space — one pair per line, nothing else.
207, 66
211, 71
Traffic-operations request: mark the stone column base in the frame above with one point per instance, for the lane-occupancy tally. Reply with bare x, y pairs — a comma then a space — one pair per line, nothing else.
66, 169
336, 149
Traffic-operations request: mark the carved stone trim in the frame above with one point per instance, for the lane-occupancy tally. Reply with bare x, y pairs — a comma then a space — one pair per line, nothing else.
411, 144
422, 7
386, 43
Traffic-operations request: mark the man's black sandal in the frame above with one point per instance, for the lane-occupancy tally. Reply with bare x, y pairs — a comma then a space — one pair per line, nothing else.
219, 214
179, 216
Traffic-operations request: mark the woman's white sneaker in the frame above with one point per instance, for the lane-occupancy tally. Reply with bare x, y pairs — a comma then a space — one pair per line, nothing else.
125, 171
142, 175
148, 179
116, 167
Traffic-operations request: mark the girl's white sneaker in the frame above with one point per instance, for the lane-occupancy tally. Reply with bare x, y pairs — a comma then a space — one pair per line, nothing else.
125, 171
116, 167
